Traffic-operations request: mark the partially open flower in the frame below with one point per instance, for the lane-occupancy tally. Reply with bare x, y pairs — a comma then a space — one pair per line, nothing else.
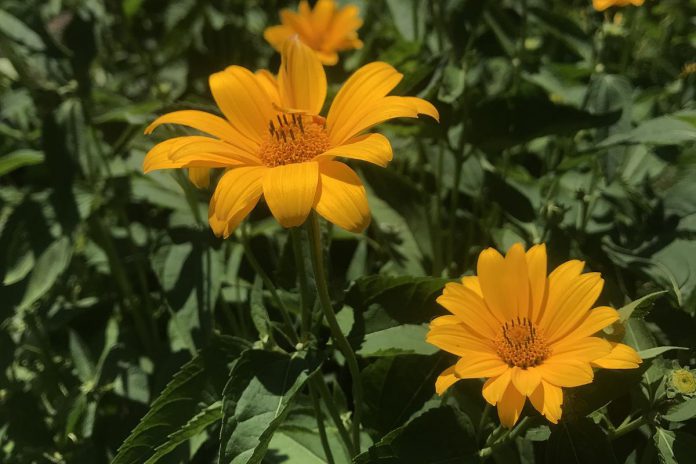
326, 29
601, 5
530, 335
275, 143
683, 381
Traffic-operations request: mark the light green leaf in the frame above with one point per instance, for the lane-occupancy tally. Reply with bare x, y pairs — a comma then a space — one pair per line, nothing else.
657, 351
19, 158
256, 399
48, 268
642, 304
401, 339
19, 32
682, 411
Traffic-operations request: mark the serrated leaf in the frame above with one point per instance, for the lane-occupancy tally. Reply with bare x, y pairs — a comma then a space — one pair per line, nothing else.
642, 304
440, 435
401, 339
578, 442
196, 425
256, 399
682, 411
198, 384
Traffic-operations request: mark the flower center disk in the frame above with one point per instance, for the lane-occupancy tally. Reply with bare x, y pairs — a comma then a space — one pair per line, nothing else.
294, 138
519, 343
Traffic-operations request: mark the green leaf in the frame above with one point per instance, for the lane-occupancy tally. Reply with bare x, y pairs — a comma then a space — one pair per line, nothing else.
256, 399
397, 387
438, 436
198, 384
401, 339
19, 158
606, 387
578, 442
681, 411
502, 122
657, 351
642, 305
674, 447
48, 268
16, 30
664, 130
84, 365
259, 315
193, 427
382, 303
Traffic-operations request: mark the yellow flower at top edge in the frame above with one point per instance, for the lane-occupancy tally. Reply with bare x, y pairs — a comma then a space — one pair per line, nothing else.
528, 334
326, 29
601, 5
273, 141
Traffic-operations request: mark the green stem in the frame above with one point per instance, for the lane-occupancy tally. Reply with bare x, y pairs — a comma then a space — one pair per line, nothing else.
482, 421
306, 300
268, 283
320, 424
628, 428
499, 440
320, 384
339, 338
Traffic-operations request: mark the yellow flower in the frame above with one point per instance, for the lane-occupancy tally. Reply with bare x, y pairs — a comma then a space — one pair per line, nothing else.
530, 335
601, 5
683, 381
326, 29
275, 144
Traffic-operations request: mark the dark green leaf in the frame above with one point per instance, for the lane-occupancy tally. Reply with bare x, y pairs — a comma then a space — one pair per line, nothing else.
578, 442
18, 159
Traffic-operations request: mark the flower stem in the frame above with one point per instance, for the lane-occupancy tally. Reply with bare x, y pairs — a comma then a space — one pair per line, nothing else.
268, 283
339, 338
320, 384
499, 440
320, 424
306, 303
628, 428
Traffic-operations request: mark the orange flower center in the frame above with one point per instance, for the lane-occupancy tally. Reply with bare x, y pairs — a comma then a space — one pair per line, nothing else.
519, 343
294, 138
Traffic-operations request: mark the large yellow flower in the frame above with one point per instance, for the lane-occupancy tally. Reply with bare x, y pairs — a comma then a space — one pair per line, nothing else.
326, 29
528, 334
601, 5
275, 143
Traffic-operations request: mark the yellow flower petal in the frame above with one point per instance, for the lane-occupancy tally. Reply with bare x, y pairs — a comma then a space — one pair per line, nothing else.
526, 380
445, 320
478, 365
365, 86
373, 148
536, 264
195, 151
244, 102
301, 80
560, 281
341, 197
495, 387
200, 177
510, 406
566, 373
575, 305
236, 194
516, 277
277, 35
621, 357
445, 380
342, 33
289, 191
269, 83
205, 122
583, 349
490, 270
595, 320
458, 340
473, 284
547, 399
470, 309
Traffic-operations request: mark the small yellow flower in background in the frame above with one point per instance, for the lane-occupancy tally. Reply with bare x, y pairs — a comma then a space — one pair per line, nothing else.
326, 29
683, 381
274, 143
601, 5
530, 335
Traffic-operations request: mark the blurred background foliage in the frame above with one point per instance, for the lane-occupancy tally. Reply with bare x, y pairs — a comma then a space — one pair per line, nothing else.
559, 125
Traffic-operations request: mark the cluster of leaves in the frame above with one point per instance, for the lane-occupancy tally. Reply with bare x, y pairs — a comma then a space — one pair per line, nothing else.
130, 334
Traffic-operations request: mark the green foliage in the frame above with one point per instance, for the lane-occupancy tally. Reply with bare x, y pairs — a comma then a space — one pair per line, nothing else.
130, 334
